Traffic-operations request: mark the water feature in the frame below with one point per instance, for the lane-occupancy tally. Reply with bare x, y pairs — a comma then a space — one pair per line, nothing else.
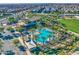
44, 36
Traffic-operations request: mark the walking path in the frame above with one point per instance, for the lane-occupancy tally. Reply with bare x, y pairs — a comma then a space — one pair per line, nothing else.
73, 33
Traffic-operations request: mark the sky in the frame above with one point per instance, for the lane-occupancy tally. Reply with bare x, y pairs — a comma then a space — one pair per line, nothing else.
39, 1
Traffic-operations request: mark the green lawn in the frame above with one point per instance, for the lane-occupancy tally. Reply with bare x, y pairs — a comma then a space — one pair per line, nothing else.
71, 24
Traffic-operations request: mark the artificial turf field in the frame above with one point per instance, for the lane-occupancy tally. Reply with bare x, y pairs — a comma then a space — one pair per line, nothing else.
71, 24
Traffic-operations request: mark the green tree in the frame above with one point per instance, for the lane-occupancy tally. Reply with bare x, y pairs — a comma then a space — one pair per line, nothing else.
12, 20
10, 29
1, 29
1, 45
20, 29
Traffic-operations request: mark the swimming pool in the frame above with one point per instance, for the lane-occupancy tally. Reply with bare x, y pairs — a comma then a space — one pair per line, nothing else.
44, 35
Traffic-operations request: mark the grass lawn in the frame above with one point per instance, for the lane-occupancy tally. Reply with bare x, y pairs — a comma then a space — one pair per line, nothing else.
71, 24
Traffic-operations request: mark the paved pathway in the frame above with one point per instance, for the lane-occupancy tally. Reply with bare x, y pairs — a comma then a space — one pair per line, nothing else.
73, 33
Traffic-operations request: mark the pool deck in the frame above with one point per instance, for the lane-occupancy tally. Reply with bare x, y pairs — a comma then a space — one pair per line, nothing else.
41, 34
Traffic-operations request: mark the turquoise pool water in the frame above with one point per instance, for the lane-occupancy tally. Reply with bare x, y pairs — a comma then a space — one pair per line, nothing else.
44, 35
